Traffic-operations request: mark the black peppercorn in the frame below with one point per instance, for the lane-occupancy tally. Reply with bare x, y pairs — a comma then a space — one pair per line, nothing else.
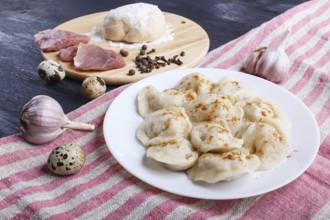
144, 47
123, 52
131, 72
145, 62
138, 58
143, 68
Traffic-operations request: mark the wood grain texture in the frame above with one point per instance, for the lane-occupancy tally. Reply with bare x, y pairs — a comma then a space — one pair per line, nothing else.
188, 37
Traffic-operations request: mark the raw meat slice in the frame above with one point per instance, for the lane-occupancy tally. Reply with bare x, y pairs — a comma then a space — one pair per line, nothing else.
67, 54
55, 39
92, 57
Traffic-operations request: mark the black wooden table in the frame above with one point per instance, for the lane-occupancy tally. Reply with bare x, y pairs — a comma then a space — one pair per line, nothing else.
223, 20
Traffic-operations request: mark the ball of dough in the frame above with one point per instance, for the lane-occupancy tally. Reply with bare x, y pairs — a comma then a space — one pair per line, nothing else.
134, 23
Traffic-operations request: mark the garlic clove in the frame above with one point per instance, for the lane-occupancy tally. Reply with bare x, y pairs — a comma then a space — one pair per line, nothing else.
42, 120
42, 107
251, 60
274, 66
274, 63
41, 137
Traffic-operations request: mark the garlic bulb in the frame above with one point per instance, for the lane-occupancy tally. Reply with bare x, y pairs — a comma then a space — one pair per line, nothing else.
271, 63
42, 120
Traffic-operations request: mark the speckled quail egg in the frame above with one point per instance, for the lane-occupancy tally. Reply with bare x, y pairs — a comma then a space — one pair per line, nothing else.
66, 159
51, 71
93, 87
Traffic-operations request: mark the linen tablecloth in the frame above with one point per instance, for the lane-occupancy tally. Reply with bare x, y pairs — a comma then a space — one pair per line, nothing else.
104, 189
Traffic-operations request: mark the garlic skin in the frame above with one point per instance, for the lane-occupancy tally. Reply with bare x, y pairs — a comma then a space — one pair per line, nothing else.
42, 120
41, 137
251, 60
272, 64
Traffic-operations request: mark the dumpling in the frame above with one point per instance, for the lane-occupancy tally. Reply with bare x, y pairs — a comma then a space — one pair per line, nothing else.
177, 97
150, 100
171, 121
214, 108
211, 167
175, 153
267, 143
206, 137
214, 131
264, 110
232, 89
196, 82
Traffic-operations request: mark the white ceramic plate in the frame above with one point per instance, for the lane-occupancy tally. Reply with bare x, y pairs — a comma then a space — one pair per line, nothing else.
121, 121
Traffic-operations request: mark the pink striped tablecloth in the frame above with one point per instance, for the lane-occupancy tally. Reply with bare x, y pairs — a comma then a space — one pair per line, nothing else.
104, 189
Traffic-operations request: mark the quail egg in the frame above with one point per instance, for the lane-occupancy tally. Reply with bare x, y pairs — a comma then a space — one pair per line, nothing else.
66, 159
51, 71
93, 87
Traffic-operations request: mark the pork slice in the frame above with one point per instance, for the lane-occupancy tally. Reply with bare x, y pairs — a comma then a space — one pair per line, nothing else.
90, 57
67, 54
55, 39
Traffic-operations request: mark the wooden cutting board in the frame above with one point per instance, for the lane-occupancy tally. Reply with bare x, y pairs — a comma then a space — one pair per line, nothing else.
188, 37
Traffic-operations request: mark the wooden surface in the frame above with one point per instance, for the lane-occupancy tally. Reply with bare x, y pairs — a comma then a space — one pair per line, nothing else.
187, 36
223, 20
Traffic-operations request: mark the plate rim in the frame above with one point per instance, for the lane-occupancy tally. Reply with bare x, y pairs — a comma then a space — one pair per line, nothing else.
200, 70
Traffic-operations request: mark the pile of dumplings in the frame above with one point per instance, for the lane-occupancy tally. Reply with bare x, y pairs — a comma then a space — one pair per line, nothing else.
215, 131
